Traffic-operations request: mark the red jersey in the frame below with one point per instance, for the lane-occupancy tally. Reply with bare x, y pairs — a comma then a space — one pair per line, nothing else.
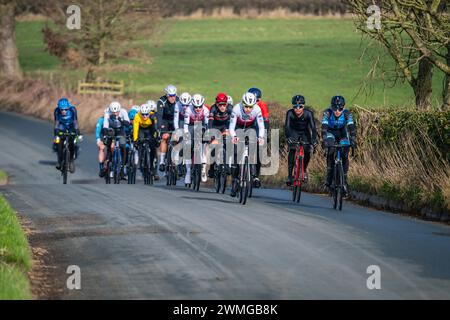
264, 110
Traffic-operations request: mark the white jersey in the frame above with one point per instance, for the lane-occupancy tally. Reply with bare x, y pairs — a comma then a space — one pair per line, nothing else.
191, 116
123, 115
242, 120
180, 111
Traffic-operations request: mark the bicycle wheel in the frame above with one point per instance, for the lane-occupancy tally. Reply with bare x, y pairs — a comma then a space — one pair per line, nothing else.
65, 166
223, 181
197, 177
341, 187
217, 180
246, 180
336, 188
108, 172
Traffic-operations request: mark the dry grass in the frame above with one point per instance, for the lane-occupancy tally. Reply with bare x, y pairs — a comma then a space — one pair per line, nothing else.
38, 99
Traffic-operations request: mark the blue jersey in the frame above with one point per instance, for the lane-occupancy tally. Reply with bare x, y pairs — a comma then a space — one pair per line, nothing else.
99, 128
338, 127
67, 121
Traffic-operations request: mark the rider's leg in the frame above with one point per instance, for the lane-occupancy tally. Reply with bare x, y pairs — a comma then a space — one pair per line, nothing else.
187, 177
163, 151
307, 157
330, 166
101, 156
345, 165
59, 149
291, 163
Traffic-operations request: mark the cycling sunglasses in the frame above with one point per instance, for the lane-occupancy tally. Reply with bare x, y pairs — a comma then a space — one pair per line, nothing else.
248, 107
145, 114
172, 95
340, 108
198, 107
298, 106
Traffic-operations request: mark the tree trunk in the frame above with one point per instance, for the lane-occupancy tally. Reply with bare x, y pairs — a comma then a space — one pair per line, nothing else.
446, 88
9, 57
423, 85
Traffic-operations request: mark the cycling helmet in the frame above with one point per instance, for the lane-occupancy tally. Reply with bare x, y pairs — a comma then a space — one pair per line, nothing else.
221, 99
133, 111
298, 100
256, 92
249, 99
152, 105
170, 90
338, 102
115, 107
63, 104
198, 100
230, 100
185, 98
145, 109
135, 108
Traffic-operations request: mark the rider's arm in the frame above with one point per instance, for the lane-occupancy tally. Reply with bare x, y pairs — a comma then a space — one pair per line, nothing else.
312, 125
136, 125
211, 118
233, 121
176, 116
351, 127
98, 129
159, 113
106, 120
206, 119
260, 121
287, 125
186, 120
325, 119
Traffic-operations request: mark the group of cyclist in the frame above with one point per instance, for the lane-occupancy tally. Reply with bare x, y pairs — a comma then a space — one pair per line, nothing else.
173, 117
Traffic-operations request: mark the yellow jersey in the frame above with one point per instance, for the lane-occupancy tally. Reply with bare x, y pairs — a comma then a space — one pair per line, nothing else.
139, 122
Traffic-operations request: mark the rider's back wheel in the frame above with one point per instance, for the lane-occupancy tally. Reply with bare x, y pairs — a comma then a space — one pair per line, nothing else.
65, 165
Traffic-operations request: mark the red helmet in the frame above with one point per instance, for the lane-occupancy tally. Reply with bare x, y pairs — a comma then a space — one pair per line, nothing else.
222, 98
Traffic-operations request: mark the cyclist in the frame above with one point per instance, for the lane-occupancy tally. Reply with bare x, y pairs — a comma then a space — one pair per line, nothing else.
101, 146
230, 100
299, 125
185, 102
264, 108
338, 127
65, 120
246, 115
116, 123
219, 118
197, 113
144, 125
165, 115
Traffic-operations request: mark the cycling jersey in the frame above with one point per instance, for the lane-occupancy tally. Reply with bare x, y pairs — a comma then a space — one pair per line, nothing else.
242, 120
337, 126
220, 120
180, 111
191, 117
166, 113
68, 121
304, 126
264, 110
141, 123
123, 115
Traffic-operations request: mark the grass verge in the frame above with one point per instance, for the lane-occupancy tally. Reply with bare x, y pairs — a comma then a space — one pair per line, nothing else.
15, 256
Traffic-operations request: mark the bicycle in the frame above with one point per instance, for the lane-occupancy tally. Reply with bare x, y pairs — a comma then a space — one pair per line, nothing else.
338, 183
114, 161
147, 156
243, 185
220, 172
299, 170
196, 172
171, 167
131, 162
66, 153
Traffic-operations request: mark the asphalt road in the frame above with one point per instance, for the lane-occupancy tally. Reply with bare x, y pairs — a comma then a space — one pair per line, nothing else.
143, 242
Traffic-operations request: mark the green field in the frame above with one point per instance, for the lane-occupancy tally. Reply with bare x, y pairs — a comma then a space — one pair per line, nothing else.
315, 57
15, 256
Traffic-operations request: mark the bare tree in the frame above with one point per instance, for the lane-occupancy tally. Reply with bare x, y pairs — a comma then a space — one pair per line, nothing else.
416, 35
106, 27
9, 56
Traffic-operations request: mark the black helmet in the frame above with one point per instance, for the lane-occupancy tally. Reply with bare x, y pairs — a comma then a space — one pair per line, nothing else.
338, 102
298, 100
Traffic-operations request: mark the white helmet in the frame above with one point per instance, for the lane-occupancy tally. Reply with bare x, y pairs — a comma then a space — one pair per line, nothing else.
185, 98
145, 109
198, 100
230, 100
249, 99
170, 90
115, 107
152, 105
135, 108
